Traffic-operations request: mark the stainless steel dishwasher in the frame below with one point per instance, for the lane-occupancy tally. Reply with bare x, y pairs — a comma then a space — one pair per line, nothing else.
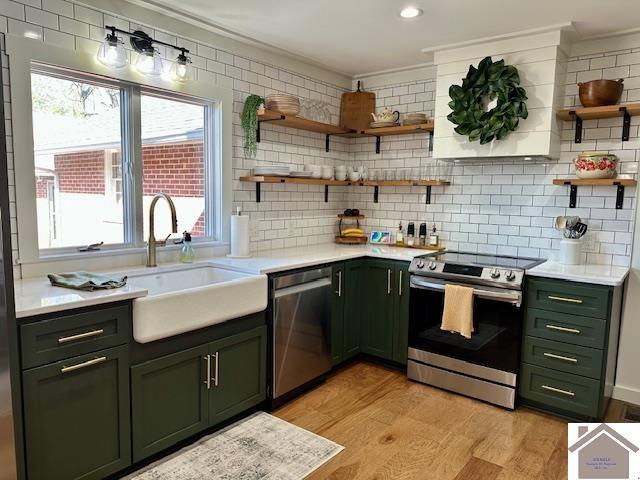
300, 316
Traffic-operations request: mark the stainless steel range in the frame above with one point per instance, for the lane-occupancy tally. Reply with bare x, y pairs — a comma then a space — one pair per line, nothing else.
486, 365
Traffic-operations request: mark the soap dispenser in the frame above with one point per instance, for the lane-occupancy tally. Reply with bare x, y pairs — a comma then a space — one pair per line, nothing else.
186, 253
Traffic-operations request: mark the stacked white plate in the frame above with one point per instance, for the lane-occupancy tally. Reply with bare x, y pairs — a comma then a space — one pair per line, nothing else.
272, 171
283, 103
414, 119
300, 174
383, 124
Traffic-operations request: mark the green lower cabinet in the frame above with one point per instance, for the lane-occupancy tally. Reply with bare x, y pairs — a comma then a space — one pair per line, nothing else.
238, 374
370, 310
182, 394
354, 299
337, 313
401, 310
170, 400
573, 395
76, 415
378, 322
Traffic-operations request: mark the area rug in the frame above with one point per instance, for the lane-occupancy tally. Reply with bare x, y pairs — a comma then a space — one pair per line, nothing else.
258, 447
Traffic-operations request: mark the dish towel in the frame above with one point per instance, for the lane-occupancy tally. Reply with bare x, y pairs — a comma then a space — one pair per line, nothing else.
86, 281
457, 315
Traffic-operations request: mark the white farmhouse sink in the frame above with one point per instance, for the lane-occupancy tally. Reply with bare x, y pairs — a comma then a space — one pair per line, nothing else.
193, 297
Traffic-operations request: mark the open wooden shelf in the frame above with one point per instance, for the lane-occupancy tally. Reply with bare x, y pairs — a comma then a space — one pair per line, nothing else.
599, 182
624, 110
260, 179
593, 113
292, 121
399, 130
574, 183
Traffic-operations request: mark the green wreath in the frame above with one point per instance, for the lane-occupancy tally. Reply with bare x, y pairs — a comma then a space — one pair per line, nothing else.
490, 81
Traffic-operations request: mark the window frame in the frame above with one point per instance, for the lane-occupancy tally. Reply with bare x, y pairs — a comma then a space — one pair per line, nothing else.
24, 53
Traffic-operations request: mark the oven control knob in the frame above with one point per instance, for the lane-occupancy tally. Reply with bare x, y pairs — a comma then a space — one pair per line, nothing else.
495, 273
420, 264
432, 265
511, 276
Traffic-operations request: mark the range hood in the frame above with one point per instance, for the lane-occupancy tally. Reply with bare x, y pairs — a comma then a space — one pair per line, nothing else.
541, 62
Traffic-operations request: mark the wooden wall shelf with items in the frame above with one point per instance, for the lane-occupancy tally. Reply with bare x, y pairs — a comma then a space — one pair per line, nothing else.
574, 183
399, 130
259, 179
624, 110
293, 121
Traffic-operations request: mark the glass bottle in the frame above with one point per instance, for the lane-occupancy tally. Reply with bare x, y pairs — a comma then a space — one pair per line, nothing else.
186, 252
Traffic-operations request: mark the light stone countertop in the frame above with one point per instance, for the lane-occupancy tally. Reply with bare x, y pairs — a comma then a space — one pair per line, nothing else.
589, 273
35, 296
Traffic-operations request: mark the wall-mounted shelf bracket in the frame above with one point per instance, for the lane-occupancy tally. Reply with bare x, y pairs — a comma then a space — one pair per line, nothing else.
626, 124
573, 195
282, 117
378, 144
431, 141
375, 194
258, 192
427, 199
326, 142
619, 195
326, 191
578, 120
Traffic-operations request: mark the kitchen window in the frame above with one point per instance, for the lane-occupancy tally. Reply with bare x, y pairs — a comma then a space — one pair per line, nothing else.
102, 150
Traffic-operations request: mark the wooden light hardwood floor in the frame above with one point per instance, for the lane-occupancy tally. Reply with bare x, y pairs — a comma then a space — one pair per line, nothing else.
393, 428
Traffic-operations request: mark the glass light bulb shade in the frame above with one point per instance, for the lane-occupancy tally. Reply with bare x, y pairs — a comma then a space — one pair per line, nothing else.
149, 63
181, 70
112, 54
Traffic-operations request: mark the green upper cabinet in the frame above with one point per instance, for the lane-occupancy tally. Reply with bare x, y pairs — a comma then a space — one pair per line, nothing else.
378, 324
169, 400
76, 415
401, 310
238, 374
337, 312
354, 294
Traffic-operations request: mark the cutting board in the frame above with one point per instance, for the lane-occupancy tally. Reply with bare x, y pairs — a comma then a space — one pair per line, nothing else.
356, 109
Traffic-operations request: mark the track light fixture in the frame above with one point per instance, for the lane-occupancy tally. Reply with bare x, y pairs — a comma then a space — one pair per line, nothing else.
113, 54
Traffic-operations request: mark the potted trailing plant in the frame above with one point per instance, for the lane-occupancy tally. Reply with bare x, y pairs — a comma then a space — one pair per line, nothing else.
250, 123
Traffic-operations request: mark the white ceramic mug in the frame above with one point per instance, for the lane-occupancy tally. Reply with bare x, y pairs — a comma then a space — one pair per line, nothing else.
341, 175
327, 172
316, 171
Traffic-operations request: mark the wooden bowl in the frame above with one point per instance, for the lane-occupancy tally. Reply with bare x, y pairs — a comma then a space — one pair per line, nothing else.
598, 93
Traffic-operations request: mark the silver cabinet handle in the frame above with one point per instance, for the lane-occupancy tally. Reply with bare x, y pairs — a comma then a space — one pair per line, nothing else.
560, 357
78, 366
80, 336
400, 283
207, 382
564, 299
558, 390
339, 275
388, 281
215, 369
562, 329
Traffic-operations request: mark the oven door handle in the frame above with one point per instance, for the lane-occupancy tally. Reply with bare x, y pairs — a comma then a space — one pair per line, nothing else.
508, 296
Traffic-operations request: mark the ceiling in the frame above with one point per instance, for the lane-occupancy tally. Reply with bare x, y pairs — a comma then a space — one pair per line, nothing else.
363, 36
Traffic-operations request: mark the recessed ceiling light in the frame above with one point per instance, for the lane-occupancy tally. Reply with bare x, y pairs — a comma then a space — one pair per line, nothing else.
410, 12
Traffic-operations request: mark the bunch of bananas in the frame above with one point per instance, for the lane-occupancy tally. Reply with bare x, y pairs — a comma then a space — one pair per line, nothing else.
352, 232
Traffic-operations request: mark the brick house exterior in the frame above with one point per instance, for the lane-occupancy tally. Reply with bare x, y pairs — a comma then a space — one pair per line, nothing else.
176, 169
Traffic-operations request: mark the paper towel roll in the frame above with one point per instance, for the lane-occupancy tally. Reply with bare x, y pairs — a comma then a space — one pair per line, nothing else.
239, 236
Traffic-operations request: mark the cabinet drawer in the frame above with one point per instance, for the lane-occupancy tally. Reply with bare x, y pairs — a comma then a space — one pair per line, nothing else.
562, 356
568, 297
562, 327
571, 393
63, 337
